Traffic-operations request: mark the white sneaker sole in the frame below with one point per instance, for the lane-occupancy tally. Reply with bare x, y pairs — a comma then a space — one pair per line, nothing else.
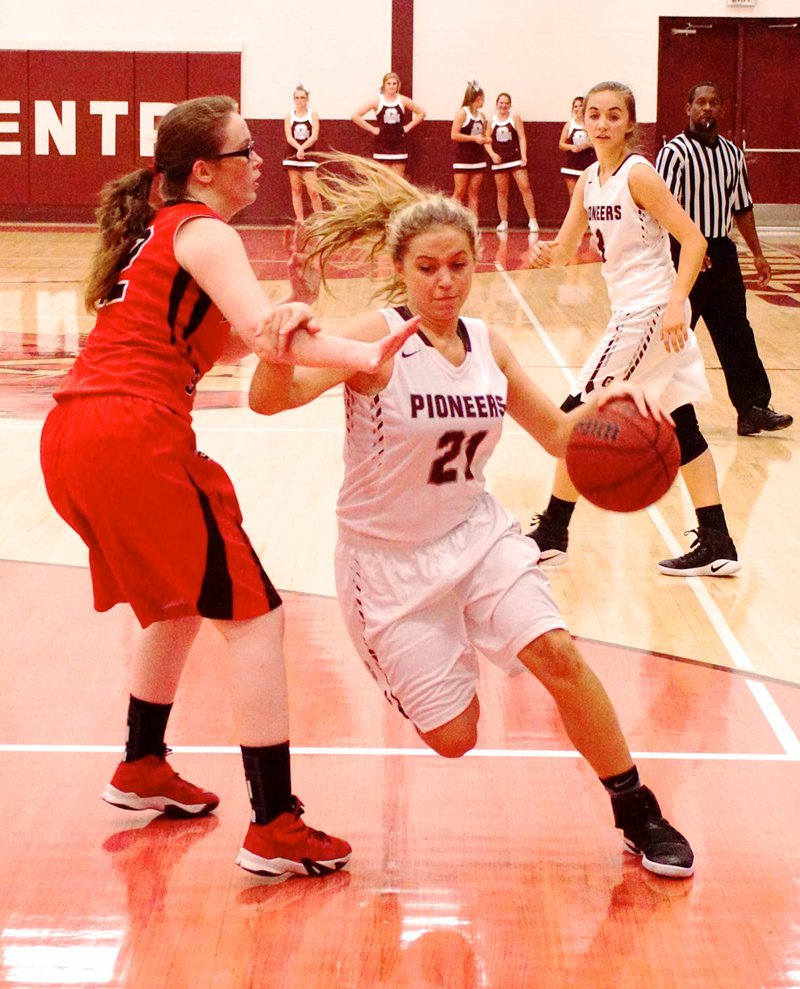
132, 801
287, 867
719, 568
658, 868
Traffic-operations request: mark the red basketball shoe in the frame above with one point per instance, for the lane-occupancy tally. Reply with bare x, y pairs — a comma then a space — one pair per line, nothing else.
286, 845
152, 784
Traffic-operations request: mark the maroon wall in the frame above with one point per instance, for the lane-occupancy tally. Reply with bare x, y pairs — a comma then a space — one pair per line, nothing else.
58, 187
430, 165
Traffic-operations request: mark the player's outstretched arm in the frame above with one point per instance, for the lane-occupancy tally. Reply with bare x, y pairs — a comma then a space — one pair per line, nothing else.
553, 253
281, 385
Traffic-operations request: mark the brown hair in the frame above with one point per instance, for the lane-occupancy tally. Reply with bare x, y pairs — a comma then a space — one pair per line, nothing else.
472, 92
630, 104
191, 130
374, 209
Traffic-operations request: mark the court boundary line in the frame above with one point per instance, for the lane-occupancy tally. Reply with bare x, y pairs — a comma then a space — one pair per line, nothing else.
381, 752
739, 657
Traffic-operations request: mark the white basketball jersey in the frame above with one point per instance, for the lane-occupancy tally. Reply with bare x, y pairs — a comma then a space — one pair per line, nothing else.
415, 453
637, 265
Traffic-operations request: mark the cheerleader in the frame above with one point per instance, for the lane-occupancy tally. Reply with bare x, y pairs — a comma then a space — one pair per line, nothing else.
577, 148
470, 132
508, 151
301, 128
395, 116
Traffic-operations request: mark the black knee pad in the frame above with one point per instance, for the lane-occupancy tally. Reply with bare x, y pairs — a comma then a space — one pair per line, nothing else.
687, 429
571, 402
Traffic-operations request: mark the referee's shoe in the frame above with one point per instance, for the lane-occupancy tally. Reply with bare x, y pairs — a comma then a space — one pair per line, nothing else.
755, 419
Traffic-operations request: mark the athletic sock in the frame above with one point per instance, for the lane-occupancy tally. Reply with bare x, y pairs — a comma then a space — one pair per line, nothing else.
268, 773
559, 510
147, 723
712, 517
626, 782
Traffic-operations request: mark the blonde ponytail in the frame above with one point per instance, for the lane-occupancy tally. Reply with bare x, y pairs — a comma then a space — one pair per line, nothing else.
373, 209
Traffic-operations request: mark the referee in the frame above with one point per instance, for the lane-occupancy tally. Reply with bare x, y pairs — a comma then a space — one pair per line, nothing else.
707, 175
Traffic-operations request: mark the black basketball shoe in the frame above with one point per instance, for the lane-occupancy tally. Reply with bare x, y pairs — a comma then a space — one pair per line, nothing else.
551, 538
712, 554
648, 833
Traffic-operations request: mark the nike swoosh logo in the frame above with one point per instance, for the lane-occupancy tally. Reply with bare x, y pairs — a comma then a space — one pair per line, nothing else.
404, 354
720, 567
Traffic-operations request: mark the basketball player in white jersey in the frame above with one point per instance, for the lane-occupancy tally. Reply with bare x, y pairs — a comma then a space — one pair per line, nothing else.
430, 567
648, 340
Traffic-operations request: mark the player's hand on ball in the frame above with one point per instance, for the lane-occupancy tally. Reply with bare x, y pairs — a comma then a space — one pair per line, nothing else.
646, 403
620, 458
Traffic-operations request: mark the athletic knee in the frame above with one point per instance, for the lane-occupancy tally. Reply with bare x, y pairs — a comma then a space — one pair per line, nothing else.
687, 429
554, 659
457, 737
453, 746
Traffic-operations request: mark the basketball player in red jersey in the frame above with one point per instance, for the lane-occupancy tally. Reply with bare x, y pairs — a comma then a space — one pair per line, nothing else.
161, 519
395, 115
430, 567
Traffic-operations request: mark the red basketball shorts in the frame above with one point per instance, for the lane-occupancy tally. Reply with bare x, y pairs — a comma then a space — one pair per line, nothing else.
161, 520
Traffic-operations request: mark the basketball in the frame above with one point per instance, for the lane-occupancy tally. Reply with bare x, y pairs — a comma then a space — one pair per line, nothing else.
621, 460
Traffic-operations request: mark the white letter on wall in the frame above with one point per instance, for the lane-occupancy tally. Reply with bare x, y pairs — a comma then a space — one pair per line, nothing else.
10, 127
149, 114
47, 124
109, 110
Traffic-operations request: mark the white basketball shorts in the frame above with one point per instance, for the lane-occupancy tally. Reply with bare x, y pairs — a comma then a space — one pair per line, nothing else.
418, 615
631, 350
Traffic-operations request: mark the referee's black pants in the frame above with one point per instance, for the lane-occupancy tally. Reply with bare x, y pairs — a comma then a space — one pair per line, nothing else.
719, 298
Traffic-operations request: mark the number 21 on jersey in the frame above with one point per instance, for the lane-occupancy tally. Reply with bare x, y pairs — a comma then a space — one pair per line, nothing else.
445, 469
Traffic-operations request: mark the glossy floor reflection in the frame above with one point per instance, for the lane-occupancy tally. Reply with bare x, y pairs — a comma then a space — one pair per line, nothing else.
498, 871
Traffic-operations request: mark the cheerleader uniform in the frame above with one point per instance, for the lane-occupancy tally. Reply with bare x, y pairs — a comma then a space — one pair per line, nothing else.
469, 156
390, 144
505, 142
576, 162
301, 131
119, 456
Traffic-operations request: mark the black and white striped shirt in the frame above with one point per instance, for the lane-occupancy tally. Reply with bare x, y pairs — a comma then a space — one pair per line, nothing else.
708, 180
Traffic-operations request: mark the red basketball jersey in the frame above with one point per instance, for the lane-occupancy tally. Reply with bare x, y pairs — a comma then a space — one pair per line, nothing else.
158, 333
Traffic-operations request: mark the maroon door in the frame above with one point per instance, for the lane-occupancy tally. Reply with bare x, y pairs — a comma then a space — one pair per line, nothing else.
770, 70
692, 51
753, 61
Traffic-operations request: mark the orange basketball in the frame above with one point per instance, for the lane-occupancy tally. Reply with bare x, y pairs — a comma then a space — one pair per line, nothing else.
621, 460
